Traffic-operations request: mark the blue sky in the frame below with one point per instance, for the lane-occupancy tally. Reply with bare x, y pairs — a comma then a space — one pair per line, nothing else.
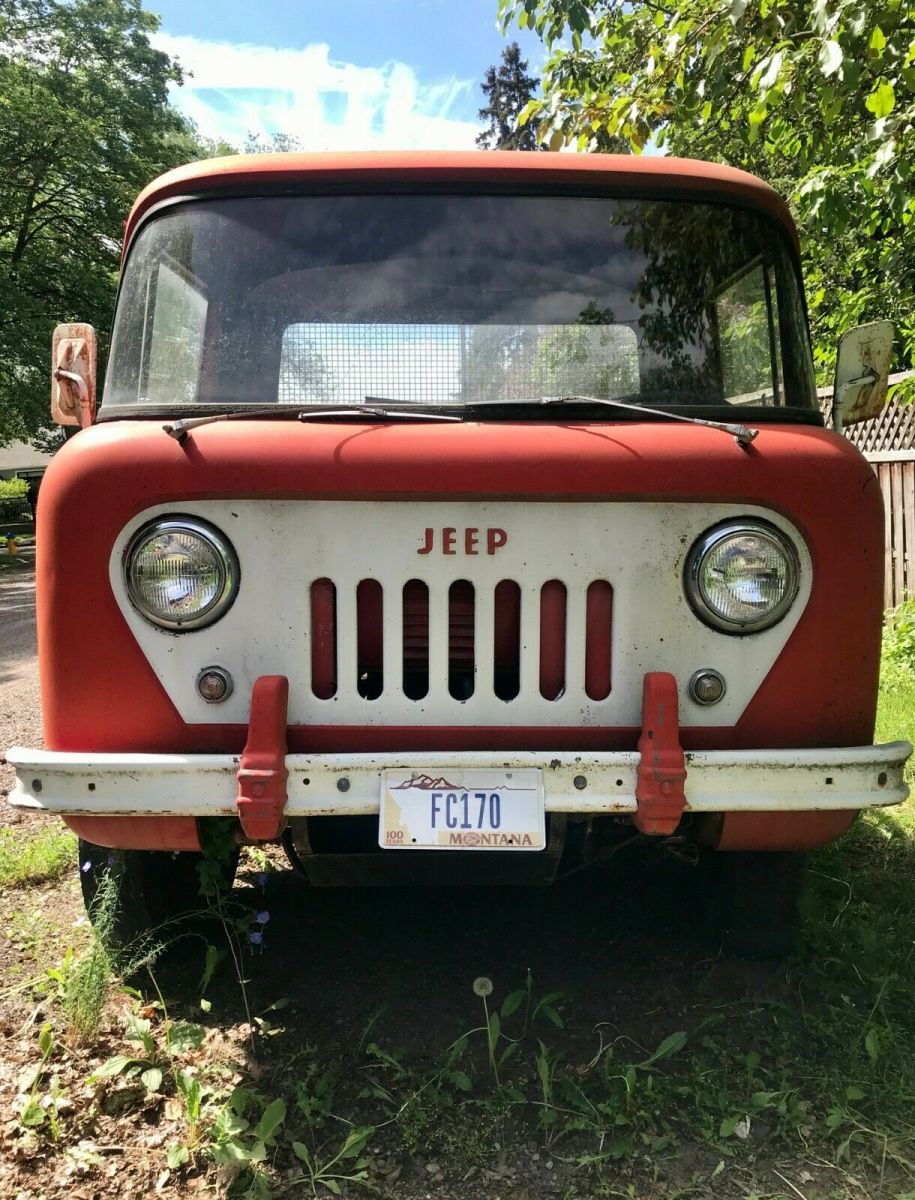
393, 74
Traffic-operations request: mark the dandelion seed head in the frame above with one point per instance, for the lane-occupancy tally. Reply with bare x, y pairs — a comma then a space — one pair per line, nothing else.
256, 938
86, 867
262, 880
262, 917
482, 986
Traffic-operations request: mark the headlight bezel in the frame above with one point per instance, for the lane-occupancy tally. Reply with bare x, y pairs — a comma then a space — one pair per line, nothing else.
711, 540
229, 574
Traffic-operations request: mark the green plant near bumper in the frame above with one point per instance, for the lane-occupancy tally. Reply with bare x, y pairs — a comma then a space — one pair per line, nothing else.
40, 1108
346, 1165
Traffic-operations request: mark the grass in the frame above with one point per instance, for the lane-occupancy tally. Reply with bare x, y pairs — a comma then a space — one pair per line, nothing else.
34, 858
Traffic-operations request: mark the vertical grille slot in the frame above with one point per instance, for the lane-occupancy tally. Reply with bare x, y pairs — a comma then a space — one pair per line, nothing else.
461, 622
598, 625
507, 640
323, 639
369, 639
552, 639
415, 639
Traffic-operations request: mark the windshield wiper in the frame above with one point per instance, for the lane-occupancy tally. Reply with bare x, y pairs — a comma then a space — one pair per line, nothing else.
742, 433
180, 429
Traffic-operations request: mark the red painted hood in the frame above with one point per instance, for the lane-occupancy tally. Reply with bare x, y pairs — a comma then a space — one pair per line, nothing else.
100, 693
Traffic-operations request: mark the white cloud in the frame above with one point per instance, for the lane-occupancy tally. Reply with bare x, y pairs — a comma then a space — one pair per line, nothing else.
233, 90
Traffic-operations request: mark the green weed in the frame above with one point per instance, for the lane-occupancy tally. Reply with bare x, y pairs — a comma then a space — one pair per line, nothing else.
27, 858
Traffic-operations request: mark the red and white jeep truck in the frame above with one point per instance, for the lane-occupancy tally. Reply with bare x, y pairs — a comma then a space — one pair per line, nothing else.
448, 517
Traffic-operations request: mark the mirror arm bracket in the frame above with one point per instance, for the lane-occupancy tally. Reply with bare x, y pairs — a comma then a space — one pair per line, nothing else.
82, 392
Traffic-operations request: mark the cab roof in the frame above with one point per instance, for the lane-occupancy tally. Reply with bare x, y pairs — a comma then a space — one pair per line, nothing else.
655, 175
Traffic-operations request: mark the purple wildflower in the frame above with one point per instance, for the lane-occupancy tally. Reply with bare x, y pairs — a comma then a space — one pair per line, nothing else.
262, 917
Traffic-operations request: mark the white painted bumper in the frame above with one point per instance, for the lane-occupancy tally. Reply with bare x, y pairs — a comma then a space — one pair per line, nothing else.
204, 785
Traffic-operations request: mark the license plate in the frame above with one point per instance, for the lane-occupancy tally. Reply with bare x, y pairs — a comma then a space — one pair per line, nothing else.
462, 810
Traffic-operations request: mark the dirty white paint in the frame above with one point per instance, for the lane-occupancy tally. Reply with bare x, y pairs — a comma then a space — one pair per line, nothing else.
204, 785
283, 546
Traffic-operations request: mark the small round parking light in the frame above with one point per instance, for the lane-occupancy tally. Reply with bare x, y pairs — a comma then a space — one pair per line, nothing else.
707, 686
214, 685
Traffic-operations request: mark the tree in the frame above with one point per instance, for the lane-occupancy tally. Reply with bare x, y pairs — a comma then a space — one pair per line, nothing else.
509, 90
84, 124
819, 99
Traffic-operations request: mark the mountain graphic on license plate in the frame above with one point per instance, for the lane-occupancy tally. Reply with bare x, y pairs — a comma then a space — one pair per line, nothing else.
462, 810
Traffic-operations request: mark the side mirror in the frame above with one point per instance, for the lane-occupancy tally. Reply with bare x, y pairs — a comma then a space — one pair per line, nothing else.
73, 358
862, 372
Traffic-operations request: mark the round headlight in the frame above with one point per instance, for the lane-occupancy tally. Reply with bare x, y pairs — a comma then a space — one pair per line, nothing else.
742, 576
181, 573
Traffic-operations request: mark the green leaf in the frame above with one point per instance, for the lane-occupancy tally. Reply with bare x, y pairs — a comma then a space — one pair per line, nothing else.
854, 1093
46, 1040
177, 1156
495, 1028
32, 1115
273, 1118
872, 1042
183, 1036
152, 1079
113, 1066
830, 57
460, 1080
355, 1142
728, 1125
552, 1015
671, 1045
512, 1002
556, 141
882, 99
878, 40
301, 1151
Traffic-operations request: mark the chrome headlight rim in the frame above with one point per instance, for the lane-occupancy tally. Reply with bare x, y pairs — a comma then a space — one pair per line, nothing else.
708, 541
226, 561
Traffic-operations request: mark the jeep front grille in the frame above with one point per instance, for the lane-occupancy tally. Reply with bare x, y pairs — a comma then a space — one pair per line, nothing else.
459, 639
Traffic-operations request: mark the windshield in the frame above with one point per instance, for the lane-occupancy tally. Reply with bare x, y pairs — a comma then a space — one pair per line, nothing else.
443, 300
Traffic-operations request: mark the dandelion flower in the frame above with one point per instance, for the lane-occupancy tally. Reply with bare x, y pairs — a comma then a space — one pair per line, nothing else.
482, 986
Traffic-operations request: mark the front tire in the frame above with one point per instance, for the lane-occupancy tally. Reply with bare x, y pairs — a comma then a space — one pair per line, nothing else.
137, 898
752, 901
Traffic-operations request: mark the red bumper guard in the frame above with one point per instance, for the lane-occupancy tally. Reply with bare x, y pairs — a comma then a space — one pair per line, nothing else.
262, 773
661, 771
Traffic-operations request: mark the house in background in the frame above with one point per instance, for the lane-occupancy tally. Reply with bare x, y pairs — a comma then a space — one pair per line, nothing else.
19, 460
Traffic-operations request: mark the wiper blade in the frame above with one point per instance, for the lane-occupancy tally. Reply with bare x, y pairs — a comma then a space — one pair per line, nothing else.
742, 433
180, 429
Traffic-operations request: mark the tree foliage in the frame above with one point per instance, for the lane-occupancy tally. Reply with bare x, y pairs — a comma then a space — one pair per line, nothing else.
84, 124
508, 89
817, 98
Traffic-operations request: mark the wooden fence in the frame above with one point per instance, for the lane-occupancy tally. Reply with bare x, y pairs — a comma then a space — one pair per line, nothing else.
888, 442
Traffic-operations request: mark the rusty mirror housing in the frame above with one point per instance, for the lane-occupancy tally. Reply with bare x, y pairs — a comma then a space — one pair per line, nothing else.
73, 366
862, 373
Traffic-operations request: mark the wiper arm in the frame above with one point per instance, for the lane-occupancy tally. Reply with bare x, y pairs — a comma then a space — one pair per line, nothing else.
180, 429
742, 433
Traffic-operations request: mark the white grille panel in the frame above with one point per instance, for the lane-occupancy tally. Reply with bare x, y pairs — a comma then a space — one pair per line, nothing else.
284, 546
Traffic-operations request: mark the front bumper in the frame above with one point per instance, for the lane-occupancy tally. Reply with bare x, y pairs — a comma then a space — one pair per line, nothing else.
205, 785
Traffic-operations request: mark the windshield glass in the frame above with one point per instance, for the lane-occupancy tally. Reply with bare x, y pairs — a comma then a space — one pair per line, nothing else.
451, 299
